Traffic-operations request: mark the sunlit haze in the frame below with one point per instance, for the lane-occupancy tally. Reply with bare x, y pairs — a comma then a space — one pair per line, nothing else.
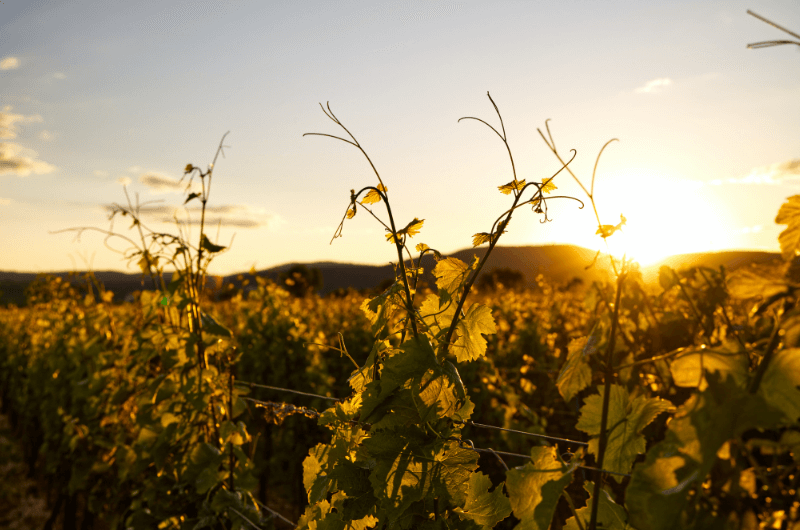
97, 95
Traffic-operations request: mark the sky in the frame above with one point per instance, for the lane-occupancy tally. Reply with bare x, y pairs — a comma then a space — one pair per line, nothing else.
99, 98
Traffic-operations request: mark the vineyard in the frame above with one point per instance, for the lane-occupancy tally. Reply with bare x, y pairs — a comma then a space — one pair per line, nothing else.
609, 406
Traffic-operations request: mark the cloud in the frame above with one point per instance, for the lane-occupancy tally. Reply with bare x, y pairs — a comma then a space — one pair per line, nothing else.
752, 229
654, 86
8, 128
100, 173
160, 184
59, 75
4, 202
15, 159
9, 63
235, 216
46, 136
777, 173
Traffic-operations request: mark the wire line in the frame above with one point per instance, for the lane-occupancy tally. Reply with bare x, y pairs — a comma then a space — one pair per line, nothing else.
256, 385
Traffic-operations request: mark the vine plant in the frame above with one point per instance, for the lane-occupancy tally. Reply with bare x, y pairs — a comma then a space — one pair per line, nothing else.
397, 458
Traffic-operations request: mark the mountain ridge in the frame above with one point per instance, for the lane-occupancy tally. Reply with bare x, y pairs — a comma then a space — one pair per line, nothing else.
557, 263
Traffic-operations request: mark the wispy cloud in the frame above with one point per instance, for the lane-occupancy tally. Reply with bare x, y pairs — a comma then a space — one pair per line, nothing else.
654, 86
8, 128
159, 184
20, 161
46, 136
235, 216
4, 202
777, 173
9, 63
100, 173
13, 157
60, 75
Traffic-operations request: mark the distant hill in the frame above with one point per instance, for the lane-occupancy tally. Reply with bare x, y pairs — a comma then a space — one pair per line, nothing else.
557, 263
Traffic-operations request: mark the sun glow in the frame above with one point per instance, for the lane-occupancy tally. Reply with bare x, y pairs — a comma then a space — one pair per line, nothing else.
664, 217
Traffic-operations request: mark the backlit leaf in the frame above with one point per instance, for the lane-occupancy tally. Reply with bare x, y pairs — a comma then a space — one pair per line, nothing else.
548, 186
626, 419
486, 509
780, 382
534, 489
480, 239
470, 344
511, 186
789, 214
686, 369
576, 374
610, 515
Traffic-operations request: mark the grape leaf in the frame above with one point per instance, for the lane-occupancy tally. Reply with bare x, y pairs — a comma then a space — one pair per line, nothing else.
658, 491
779, 387
209, 246
373, 196
576, 374
435, 317
486, 509
470, 344
548, 186
626, 419
410, 230
789, 214
726, 359
480, 238
434, 395
451, 273
747, 282
610, 515
534, 489
515, 184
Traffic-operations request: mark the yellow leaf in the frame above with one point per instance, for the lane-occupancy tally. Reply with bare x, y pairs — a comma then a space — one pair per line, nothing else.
511, 186
371, 197
548, 186
606, 230
413, 227
351, 213
421, 247
480, 239
383, 188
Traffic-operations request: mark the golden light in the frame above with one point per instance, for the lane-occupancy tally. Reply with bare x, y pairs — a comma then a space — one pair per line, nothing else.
664, 217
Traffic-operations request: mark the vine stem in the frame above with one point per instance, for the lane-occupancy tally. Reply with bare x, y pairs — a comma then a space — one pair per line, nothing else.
777, 334
603, 442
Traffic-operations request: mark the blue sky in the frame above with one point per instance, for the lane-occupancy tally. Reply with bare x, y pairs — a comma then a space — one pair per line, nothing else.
97, 94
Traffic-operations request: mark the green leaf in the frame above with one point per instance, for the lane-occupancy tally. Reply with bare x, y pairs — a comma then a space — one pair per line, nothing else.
789, 214
451, 273
406, 471
470, 345
205, 244
434, 395
658, 491
690, 368
534, 488
576, 374
486, 509
401, 366
779, 386
212, 327
746, 282
610, 515
626, 419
